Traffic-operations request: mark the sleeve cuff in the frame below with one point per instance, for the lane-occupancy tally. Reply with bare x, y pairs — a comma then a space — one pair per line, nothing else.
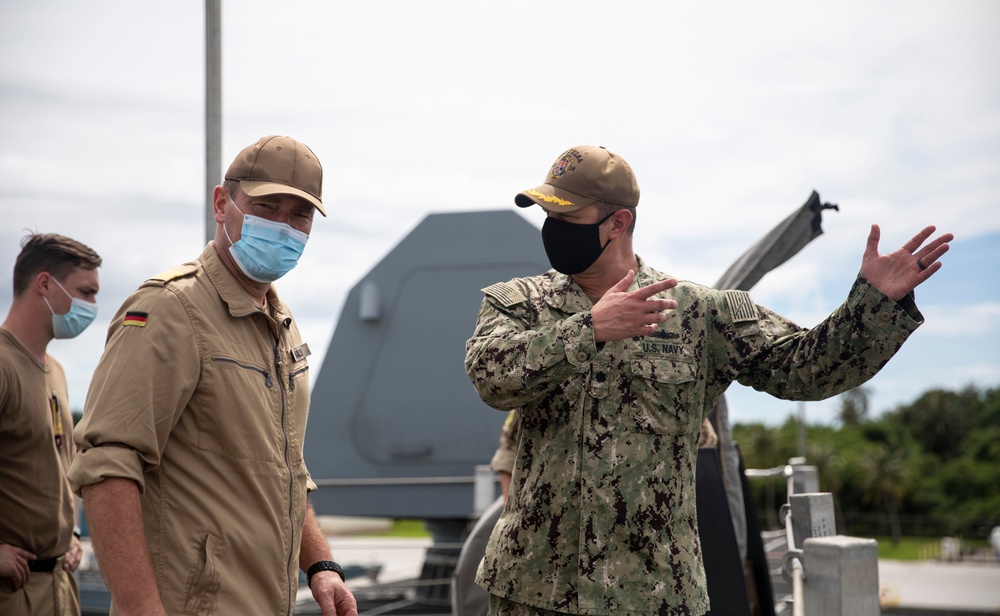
96, 464
880, 312
577, 334
503, 461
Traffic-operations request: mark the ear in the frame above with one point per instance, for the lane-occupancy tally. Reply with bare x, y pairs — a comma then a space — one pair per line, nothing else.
622, 219
219, 199
43, 280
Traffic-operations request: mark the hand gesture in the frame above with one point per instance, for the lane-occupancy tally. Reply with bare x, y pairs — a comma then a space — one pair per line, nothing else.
14, 564
896, 274
621, 314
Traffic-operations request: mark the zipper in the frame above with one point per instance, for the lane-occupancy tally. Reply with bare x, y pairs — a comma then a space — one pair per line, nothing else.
268, 381
291, 481
292, 375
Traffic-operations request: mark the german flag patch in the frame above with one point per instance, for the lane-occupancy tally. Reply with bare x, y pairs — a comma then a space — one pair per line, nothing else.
136, 319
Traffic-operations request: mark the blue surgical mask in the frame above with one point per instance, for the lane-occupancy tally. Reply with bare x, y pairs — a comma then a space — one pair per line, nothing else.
81, 314
266, 250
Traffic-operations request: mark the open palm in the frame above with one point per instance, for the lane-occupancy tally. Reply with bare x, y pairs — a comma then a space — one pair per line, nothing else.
897, 273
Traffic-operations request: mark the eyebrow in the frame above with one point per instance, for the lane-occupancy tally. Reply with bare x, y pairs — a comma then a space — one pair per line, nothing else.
270, 199
276, 200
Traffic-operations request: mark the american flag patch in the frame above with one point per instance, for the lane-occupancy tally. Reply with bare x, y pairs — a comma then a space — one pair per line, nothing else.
741, 306
136, 319
506, 294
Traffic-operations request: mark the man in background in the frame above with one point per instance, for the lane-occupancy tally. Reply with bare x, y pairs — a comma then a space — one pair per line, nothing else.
55, 285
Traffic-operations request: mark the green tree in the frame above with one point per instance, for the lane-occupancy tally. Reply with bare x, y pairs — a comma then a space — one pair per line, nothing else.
830, 468
885, 481
935, 460
940, 420
854, 406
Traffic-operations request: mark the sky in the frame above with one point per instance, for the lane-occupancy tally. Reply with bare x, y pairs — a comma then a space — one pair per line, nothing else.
730, 113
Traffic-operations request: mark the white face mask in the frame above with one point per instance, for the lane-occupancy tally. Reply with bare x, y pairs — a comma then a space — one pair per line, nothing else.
81, 314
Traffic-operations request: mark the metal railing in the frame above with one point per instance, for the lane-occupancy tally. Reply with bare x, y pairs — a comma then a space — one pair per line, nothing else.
812, 563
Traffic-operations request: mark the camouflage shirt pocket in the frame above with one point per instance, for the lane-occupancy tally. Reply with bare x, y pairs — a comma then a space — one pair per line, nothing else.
661, 388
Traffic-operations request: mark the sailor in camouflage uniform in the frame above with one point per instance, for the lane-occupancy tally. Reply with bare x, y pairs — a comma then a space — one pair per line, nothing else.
613, 366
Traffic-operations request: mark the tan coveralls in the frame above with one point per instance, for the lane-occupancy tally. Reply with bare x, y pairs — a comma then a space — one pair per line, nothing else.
201, 399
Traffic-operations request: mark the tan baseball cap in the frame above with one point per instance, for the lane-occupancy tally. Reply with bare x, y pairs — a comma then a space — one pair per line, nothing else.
279, 166
582, 176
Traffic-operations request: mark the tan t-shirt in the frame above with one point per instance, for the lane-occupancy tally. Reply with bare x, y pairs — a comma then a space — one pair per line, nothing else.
36, 448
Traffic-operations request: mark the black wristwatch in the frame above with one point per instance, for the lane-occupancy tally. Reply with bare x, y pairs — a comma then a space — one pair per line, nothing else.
324, 565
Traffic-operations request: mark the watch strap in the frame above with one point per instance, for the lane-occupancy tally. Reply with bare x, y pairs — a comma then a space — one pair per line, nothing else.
324, 565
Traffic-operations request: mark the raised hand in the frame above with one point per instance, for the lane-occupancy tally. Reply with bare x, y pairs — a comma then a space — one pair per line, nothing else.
621, 314
897, 273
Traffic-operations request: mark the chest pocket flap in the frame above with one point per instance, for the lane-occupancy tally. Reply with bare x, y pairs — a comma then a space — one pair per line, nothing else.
668, 371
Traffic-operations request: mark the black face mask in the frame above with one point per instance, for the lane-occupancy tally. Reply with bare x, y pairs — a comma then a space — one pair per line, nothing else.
572, 247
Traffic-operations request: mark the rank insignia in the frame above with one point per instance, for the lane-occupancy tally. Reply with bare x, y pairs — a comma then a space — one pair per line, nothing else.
136, 319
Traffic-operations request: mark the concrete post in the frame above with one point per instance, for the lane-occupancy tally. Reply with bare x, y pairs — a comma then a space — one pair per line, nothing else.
841, 576
803, 479
483, 489
812, 516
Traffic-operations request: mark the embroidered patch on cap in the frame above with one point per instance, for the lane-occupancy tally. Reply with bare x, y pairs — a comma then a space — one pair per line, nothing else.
560, 167
136, 319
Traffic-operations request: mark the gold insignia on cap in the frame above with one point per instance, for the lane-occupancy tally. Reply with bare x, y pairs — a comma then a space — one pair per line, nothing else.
549, 198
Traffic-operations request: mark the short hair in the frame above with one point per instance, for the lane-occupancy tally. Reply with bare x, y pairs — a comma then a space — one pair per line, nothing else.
605, 209
49, 252
231, 187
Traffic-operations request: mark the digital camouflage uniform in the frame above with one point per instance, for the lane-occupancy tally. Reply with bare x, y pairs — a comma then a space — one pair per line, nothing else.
601, 518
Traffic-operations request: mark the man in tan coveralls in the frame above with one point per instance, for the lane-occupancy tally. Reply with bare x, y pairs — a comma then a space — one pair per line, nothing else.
55, 284
190, 460
613, 366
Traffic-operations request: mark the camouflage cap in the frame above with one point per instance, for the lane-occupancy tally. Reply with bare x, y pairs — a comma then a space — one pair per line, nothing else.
582, 176
279, 166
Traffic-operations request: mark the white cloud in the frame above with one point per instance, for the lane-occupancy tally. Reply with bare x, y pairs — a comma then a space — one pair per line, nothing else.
978, 319
730, 113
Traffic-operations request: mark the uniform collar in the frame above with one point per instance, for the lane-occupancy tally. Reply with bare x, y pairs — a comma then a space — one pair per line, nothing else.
644, 277
566, 295
232, 292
